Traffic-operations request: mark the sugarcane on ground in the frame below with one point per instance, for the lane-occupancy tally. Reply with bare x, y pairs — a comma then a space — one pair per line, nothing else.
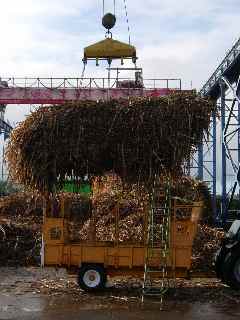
34, 293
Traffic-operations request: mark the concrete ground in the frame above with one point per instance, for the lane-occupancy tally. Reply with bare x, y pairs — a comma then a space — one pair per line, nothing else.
34, 293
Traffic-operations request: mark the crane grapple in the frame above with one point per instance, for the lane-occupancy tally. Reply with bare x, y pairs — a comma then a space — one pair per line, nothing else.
110, 49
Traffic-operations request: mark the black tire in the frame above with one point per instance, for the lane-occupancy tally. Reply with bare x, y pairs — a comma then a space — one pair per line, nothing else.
221, 255
98, 274
231, 270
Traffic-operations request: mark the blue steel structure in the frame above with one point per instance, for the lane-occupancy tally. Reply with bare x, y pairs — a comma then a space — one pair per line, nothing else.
224, 87
203, 164
5, 128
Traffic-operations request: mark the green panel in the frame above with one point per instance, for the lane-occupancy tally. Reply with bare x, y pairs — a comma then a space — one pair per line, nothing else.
70, 186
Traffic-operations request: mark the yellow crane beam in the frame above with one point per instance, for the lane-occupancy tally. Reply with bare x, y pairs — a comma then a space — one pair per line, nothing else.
110, 49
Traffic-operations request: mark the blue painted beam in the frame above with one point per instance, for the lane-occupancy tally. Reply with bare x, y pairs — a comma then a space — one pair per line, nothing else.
214, 167
200, 162
224, 159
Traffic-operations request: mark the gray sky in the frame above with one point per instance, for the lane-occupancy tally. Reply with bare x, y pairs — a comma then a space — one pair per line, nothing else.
185, 39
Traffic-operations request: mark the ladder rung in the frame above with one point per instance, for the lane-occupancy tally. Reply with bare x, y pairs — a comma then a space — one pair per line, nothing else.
156, 259
154, 271
146, 293
154, 291
156, 253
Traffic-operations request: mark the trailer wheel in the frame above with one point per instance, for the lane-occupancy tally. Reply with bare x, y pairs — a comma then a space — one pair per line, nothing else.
231, 270
92, 277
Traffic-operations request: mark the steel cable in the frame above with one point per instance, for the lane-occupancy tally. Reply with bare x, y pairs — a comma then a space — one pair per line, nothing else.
127, 20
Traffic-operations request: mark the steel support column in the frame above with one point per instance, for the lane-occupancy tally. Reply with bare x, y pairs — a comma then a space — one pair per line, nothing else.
238, 138
232, 147
214, 167
200, 161
224, 82
224, 161
203, 164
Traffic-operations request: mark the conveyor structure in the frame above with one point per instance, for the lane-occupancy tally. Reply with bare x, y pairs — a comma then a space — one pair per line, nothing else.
224, 86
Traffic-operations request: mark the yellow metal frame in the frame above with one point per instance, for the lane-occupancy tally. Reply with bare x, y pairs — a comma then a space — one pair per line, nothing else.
110, 49
117, 257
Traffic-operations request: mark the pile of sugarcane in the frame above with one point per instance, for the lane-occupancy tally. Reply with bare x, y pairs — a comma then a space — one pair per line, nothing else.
21, 204
110, 195
21, 223
207, 242
136, 138
19, 244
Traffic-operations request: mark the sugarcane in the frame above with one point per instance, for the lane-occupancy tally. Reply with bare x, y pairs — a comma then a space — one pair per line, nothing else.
135, 138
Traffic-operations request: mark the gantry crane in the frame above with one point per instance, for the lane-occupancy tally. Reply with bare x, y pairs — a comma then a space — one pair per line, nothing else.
160, 256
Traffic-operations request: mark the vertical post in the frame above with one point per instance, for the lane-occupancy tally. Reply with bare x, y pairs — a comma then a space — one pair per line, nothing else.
188, 167
45, 206
214, 166
200, 161
3, 156
224, 164
117, 80
116, 236
238, 145
109, 75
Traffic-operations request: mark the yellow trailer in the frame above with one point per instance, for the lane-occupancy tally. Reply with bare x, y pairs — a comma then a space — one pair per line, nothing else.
95, 260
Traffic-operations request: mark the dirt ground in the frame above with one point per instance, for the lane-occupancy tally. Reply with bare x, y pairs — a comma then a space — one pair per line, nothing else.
34, 293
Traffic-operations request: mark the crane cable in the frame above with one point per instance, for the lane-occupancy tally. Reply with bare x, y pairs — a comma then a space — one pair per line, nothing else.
127, 20
126, 14
114, 7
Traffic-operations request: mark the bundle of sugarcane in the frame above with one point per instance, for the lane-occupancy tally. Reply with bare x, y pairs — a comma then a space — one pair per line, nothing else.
21, 204
110, 195
207, 242
137, 139
19, 244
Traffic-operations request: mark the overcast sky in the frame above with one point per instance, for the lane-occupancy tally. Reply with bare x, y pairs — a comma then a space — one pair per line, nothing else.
185, 39
182, 39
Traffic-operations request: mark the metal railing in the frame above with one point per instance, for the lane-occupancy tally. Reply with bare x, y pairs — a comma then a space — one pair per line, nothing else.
75, 83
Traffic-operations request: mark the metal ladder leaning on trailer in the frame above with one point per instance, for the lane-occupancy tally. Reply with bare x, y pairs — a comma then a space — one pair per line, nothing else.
158, 243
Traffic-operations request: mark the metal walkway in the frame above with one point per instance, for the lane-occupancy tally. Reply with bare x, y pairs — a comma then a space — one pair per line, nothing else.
61, 90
